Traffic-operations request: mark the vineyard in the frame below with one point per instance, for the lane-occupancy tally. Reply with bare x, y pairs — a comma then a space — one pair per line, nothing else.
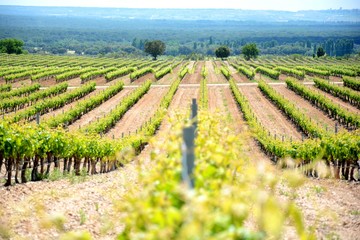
95, 146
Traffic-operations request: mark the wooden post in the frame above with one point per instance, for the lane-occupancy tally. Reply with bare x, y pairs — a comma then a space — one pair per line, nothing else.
194, 108
336, 128
37, 118
188, 156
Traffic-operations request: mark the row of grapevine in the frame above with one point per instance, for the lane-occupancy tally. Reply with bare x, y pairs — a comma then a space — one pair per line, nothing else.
14, 103
141, 72
291, 72
290, 110
119, 73
25, 144
245, 71
15, 70
72, 74
336, 71
346, 94
163, 72
22, 75
107, 122
313, 71
268, 72
22, 91
96, 73
48, 73
150, 128
333, 110
84, 106
225, 71
5, 87
204, 98
351, 83
183, 71
337, 149
52, 103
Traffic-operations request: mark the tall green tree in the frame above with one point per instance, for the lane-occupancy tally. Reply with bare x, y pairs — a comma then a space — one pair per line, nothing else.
250, 51
11, 45
320, 52
155, 48
222, 52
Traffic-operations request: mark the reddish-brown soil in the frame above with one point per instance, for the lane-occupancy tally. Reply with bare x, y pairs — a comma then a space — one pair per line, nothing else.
183, 98
282, 77
221, 100
141, 112
168, 78
259, 76
336, 100
21, 83
195, 77
75, 82
268, 115
306, 107
101, 110
238, 77
149, 76
212, 76
335, 79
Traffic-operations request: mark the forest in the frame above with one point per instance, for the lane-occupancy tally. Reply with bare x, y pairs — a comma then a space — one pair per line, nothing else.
123, 32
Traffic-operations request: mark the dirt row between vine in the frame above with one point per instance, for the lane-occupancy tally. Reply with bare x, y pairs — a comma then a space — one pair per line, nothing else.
212, 76
100, 111
138, 114
307, 108
268, 115
336, 100
194, 78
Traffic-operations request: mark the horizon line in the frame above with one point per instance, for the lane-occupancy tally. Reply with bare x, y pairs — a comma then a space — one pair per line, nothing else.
180, 8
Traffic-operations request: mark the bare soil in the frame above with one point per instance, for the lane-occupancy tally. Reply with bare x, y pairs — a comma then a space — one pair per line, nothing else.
238, 77
306, 107
168, 78
141, 112
212, 76
100, 111
20, 83
149, 76
268, 115
336, 100
195, 77
259, 76
183, 98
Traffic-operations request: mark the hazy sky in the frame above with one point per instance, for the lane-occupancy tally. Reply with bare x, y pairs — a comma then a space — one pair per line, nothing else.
292, 5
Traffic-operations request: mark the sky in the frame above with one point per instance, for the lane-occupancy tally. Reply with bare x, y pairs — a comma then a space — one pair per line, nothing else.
288, 5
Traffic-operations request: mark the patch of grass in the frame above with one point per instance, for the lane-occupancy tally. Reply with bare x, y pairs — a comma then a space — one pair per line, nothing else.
355, 212
82, 216
318, 189
332, 236
77, 179
4, 232
55, 175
